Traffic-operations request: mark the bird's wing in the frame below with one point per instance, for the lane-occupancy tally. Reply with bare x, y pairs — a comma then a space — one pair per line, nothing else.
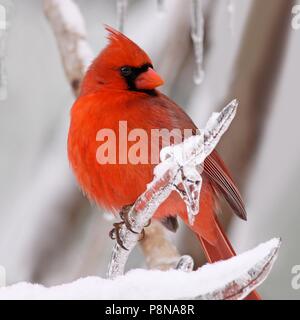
216, 170
214, 167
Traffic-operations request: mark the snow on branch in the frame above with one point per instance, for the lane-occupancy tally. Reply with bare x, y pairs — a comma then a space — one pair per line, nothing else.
180, 165
70, 33
226, 280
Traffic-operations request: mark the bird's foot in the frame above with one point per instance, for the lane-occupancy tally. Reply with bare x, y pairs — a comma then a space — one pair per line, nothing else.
115, 233
124, 214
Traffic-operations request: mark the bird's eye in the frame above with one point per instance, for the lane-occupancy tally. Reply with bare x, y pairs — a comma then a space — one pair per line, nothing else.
126, 71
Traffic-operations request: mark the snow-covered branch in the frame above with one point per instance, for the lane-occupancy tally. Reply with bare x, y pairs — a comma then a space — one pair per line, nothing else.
226, 280
69, 29
179, 166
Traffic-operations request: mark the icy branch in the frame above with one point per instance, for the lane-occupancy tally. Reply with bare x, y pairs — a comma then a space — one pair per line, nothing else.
226, 280
69, 29
179, 166
197, 34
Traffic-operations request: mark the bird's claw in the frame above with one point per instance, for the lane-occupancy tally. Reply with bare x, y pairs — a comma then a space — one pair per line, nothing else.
148, 224
143, 231
124, 214
114, 234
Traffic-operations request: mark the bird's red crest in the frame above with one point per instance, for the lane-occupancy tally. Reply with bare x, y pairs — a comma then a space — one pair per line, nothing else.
123, 50
119, 52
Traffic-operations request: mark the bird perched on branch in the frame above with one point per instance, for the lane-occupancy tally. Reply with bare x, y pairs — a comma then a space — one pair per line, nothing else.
120, 85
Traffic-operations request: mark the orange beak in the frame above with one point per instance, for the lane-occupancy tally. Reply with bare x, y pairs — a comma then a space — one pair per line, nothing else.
148, 80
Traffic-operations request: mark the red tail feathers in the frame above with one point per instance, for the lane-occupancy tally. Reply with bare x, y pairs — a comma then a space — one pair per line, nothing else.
222, 251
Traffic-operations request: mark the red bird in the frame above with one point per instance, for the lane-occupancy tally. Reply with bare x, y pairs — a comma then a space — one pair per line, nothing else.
120, 85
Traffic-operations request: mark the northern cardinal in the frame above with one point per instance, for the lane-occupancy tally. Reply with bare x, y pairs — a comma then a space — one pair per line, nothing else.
120, 85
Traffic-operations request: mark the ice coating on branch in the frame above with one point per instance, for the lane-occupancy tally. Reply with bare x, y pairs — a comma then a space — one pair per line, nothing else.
217, 124
190, 154
189, 181
197, 34
179, 170
121, 14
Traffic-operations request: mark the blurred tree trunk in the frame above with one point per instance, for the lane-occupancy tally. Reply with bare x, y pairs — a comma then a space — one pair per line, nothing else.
257, 69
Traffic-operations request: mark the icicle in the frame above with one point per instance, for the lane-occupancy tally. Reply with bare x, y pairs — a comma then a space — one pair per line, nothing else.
217, 124
231, 11
121, 14
191, 195
185, 263
197, 33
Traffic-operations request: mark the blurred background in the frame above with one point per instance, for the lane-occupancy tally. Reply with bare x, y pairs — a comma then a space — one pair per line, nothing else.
49, 233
